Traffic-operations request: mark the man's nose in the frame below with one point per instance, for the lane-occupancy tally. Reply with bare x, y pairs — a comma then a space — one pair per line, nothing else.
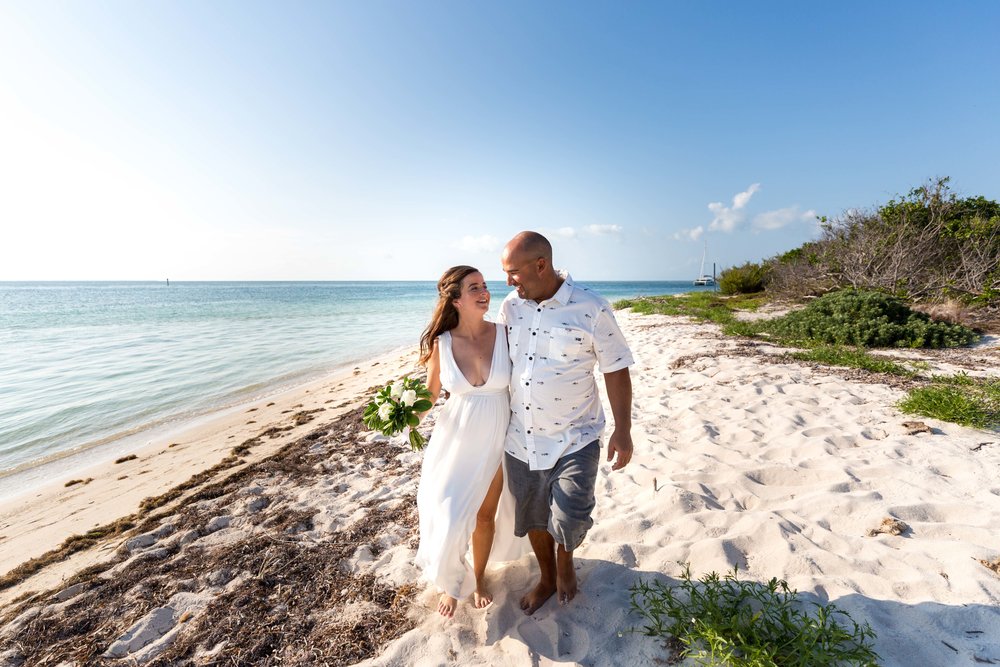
510, 281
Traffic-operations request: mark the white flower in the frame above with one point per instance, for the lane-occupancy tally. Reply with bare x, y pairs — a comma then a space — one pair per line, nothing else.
384, 411
397, 389
409, 397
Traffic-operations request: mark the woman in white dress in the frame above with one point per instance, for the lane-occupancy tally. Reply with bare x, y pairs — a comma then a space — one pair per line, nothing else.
462, 494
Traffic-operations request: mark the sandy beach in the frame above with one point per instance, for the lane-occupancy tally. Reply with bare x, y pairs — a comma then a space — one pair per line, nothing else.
293, 536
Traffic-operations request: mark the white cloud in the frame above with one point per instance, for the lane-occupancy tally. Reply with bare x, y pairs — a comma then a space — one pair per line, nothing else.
783, 217
692, 234
728, 217
484, 243
565, 233
602, 230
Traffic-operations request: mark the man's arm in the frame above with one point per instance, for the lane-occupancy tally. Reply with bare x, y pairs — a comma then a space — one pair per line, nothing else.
619, 386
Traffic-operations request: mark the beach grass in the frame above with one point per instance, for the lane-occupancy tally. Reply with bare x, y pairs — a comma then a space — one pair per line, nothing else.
701, 306
728, 621
851, 357
959, 399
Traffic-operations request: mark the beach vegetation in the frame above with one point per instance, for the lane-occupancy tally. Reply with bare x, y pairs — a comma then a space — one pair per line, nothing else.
750, 278
853, 357
724, 620
863, 318
928, 245
703, 306
959, 399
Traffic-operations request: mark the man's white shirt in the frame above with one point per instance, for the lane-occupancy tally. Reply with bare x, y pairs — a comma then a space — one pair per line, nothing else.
554, 346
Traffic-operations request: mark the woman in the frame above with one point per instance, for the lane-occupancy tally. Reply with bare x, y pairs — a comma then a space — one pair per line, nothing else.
461, 479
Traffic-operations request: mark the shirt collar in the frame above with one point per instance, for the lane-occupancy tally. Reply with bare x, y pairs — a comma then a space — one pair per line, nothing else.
565, 290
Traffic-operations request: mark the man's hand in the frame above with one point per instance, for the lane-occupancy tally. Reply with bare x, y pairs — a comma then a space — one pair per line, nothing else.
622, 444
619, 386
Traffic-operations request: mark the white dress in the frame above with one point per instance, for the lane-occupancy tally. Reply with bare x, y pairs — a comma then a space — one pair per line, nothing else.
460, 461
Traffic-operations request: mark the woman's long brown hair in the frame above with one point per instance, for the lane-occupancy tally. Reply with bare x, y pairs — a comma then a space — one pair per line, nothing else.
445, 317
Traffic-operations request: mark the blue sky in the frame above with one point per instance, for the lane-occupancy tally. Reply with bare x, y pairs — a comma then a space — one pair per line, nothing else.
389, 140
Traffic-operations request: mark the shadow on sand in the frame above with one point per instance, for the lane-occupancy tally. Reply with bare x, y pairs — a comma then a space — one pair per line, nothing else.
594, 629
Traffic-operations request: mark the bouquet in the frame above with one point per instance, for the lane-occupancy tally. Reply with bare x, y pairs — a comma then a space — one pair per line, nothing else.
395, 407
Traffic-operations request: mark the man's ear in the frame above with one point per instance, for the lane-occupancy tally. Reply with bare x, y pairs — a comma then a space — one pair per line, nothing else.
541, 264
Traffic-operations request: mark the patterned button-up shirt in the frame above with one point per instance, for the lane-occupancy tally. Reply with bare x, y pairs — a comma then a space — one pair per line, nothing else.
554, 346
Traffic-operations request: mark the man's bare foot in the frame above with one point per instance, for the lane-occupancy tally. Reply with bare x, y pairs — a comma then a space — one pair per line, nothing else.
446, 605
531, 602
565, 576
482, 597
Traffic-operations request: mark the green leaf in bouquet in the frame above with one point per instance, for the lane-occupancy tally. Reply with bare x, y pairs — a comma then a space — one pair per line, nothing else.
412, 420
422, 405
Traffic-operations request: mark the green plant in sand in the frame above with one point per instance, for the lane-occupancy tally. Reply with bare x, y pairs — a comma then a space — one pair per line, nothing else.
851, 357
865, 319
704, 306
728, 621
960, 399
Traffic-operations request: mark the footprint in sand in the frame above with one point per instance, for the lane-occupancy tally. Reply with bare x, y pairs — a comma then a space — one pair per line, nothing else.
819, 432
793, 476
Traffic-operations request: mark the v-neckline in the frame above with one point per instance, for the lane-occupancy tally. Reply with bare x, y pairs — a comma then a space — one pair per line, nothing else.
493, 357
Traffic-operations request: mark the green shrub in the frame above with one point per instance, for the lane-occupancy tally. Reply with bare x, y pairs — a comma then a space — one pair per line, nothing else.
725, 621
866, 319
747, 279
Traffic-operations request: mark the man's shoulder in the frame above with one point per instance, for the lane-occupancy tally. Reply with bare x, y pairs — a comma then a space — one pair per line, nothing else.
585, 296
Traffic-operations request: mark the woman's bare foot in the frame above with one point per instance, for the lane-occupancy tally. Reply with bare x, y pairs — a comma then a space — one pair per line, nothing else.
447, 605
531, 602
482, 597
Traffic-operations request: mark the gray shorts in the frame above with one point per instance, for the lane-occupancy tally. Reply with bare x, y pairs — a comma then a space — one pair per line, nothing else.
559, 500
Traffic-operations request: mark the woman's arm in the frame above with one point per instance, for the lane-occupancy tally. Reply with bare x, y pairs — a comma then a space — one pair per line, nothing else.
433, 377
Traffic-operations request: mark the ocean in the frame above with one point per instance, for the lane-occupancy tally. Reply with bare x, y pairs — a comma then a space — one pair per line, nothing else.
84, 364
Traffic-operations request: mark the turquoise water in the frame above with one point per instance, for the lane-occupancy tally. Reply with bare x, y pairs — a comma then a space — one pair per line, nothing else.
88, 363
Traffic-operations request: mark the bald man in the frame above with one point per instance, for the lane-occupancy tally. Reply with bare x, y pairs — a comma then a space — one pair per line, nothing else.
557, 332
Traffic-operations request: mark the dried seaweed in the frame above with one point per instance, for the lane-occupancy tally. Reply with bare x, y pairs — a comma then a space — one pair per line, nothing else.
289, 598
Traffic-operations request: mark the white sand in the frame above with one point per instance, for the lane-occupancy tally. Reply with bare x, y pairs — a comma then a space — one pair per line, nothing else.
740, 461
780, 471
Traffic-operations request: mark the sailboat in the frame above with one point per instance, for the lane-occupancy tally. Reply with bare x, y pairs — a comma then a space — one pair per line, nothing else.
702, 278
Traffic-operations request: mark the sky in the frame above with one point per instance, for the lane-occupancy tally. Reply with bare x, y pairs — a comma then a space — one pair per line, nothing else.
389, 140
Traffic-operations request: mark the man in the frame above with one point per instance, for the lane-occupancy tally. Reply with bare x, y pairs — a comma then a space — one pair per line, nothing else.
557, 331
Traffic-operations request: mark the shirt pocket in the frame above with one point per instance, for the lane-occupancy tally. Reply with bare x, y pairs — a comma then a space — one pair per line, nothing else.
567, 344
513, 342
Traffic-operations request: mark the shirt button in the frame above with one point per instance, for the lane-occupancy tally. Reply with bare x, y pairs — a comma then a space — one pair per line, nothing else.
527, 384
532, 333
539, 310
530, 358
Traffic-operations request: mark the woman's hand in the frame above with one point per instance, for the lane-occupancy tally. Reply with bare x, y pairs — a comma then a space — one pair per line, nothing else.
433, 377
